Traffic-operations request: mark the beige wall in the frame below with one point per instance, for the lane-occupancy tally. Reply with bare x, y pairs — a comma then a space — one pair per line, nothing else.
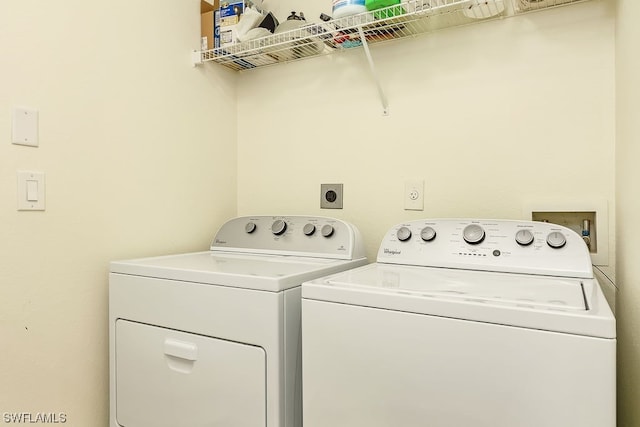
491, 116
139, 159
139, 151
628, 210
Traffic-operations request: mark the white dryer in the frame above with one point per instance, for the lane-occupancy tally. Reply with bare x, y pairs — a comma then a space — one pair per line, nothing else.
462, 323
213, 338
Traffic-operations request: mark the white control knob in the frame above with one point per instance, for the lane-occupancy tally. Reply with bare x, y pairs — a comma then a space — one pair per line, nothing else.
250, 227
309, 229
524, 237
278, 227
473, 234
556, 240
327, 230
428, 234
403, 234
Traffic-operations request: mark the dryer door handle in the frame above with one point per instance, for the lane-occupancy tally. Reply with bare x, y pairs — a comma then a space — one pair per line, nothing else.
180, 349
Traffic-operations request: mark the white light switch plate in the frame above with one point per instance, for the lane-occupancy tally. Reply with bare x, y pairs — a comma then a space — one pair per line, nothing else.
24, 128
30, 191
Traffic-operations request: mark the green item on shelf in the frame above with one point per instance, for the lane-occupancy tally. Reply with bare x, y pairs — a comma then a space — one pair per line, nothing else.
377, 4
387, 13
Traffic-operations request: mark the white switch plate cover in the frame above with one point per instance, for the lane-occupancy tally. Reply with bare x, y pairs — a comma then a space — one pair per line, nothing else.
24, 128
414, 195
26, 179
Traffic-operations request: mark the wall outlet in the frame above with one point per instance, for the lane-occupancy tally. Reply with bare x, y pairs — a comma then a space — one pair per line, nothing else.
414, 195
331, 196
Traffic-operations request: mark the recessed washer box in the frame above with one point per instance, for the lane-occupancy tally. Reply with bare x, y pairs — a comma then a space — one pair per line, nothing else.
573, 214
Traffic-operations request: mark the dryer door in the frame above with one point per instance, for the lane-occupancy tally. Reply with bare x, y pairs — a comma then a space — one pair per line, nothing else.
170, 378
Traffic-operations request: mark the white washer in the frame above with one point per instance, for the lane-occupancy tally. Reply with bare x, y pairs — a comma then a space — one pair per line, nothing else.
213, 338
460, 323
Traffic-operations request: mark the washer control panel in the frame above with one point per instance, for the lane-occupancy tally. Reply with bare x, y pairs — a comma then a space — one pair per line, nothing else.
290, 235
489, 245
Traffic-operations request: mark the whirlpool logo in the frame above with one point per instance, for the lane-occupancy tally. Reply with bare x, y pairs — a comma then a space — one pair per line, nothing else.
392, 251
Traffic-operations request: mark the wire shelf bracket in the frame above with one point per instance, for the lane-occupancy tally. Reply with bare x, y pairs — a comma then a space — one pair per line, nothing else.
374, 73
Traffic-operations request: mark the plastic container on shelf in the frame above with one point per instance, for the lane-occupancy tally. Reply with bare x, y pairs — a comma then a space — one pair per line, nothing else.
342, 8
377, 4
373, 5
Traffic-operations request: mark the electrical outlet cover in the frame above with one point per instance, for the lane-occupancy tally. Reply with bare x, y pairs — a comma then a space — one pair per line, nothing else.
25, 127
414, 195
331, 196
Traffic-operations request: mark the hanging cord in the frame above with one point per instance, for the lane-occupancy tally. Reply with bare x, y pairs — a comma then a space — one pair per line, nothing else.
605, 275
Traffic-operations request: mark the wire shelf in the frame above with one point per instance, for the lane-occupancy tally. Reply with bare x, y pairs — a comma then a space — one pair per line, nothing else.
407, 19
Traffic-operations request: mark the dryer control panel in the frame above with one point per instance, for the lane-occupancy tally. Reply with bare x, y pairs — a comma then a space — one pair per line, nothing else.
290, 235
488, 245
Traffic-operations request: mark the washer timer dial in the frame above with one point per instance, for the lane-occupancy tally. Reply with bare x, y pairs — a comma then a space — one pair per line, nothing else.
473, 234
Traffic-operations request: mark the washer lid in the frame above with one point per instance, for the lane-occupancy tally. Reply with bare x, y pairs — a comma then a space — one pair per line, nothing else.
540, 302
261, 272
463, 285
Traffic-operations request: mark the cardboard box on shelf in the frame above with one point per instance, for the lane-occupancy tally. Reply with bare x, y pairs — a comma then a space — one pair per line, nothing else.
209, 14
230, 14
